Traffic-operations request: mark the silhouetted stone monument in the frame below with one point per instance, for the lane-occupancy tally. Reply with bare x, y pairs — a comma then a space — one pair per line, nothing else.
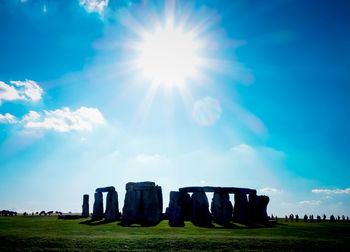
261, 207
85, 206
200, 209
241, 208
143, 204
97, 213
221, 208
178, 208
112, 208
105, 189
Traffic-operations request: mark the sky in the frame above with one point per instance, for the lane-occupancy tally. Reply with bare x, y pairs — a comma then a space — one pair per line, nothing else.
99, 93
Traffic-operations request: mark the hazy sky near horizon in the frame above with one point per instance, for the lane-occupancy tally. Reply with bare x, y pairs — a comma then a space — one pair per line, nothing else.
225, 93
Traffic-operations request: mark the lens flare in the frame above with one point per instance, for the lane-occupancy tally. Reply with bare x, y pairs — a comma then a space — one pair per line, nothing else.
206, 111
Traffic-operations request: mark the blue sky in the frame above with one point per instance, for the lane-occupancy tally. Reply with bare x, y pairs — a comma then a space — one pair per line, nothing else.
266, 105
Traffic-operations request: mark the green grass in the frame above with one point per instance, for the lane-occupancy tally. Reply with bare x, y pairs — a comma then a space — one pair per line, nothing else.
34, 233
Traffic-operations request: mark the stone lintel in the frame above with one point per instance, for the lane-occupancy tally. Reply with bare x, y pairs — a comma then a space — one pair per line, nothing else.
105, 189
140, 186
217, 189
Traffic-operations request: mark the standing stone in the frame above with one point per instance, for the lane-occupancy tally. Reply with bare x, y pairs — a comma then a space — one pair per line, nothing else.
221, 208
98, 207
252, 207
241, 208
112, 208
151, 206
131, 209
143, 204
160, 200
178, 208
187, 206
261, 207
85, 206
200, 210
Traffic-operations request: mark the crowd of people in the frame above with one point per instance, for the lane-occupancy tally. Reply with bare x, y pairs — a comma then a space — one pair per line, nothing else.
318, 218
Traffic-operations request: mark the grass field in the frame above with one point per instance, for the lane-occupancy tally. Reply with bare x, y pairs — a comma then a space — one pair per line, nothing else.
36, 233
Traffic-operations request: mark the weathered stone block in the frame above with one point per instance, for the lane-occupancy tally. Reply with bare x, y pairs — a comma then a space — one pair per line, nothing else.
85, 212
221, 208
200, 210
97, 213
105, 189
241, 208
261, 208
143, 203
178, 208
112, 208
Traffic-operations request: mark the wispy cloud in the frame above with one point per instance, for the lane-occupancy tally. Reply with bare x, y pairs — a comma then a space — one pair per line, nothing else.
27, 90
335, 191
310, 202
94, 5
242, 148
7, 118
269, 190
64, 120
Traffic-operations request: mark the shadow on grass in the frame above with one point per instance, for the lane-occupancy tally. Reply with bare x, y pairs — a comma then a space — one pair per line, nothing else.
95, 222
245, 226
231, 225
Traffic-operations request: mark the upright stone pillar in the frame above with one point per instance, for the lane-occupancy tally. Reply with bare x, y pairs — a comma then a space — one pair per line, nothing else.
112, 208
241, 208
85, 206
178, 207
143, 204
200, 209
98, 207
261, 207
252, 207
221, 208
152, 206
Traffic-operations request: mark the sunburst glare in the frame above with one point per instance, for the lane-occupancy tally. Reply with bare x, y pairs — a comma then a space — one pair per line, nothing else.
169, 56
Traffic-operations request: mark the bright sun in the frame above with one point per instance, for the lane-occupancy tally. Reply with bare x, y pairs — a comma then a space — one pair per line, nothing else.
169, 56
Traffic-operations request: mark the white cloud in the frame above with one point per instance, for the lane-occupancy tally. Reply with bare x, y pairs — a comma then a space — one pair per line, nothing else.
64, 120
309, 202
335, 191
269, 190
31, 116
94, 5
8, 93
20, 90
7, 118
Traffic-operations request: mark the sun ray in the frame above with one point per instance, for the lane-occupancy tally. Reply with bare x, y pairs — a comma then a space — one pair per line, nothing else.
146, 104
